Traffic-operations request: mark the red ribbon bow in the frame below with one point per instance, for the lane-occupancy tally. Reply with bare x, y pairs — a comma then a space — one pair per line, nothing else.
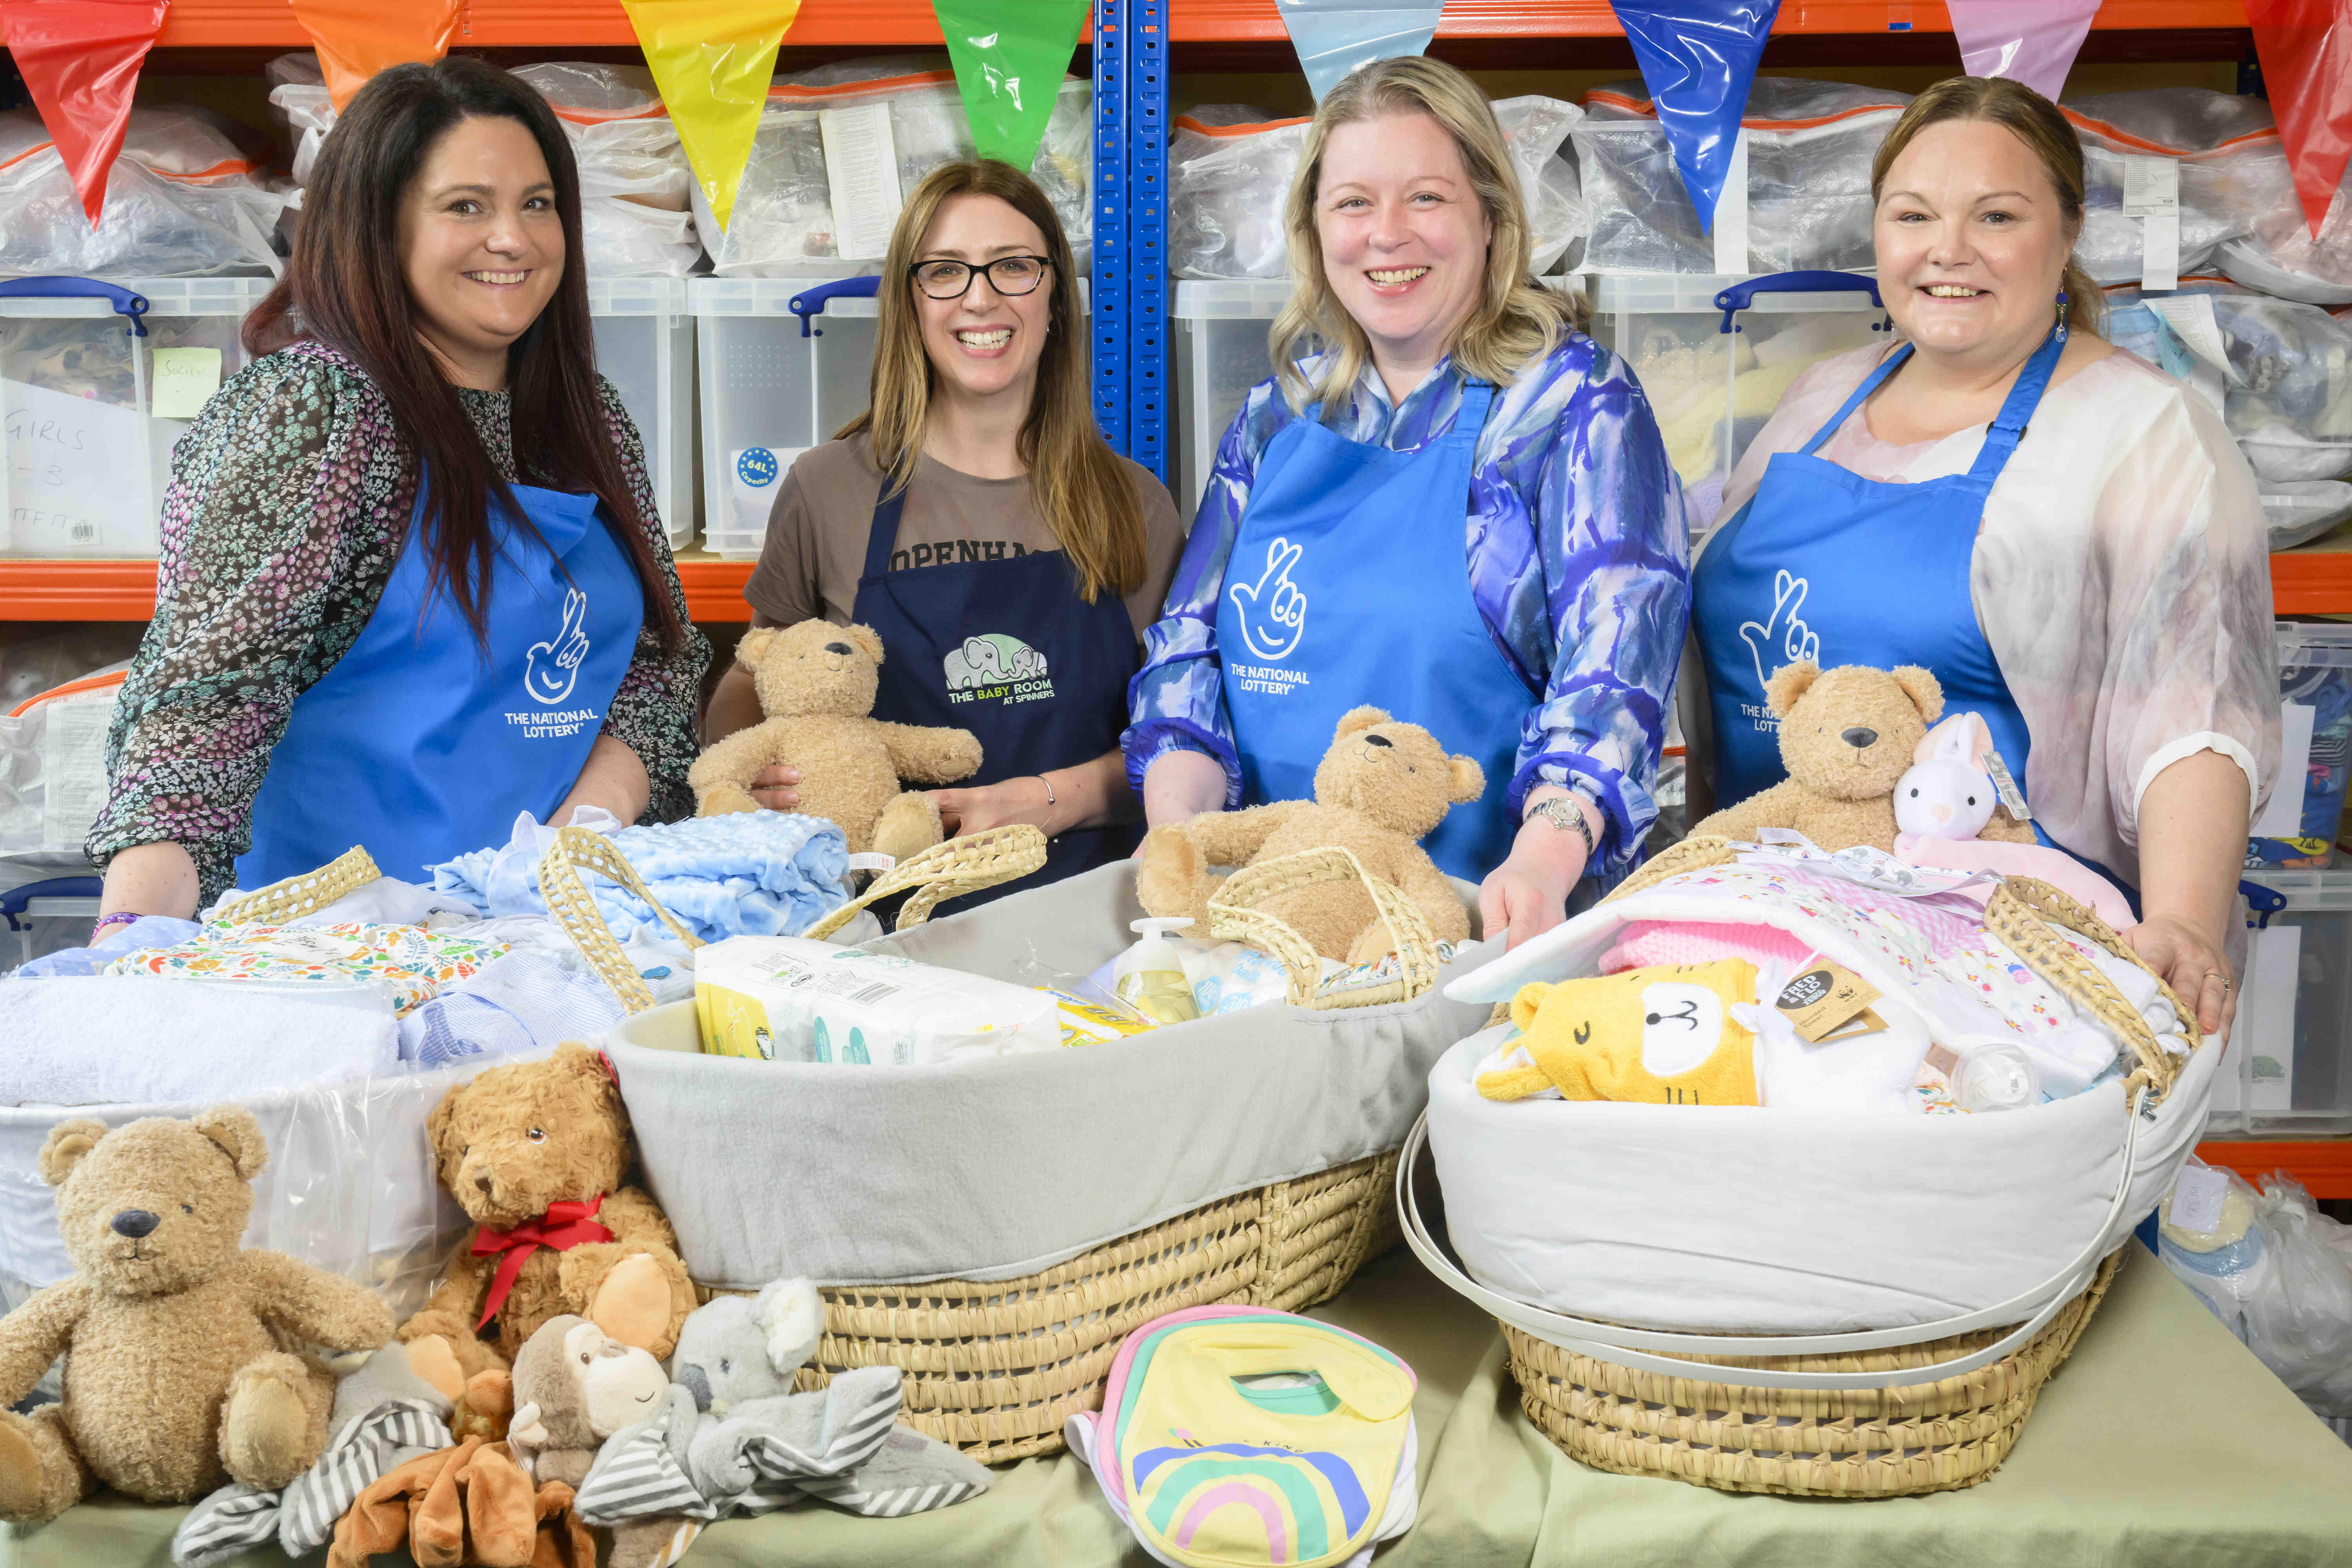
569, 1222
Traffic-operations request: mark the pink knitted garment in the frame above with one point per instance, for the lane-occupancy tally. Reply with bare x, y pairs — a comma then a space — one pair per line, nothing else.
1643, 942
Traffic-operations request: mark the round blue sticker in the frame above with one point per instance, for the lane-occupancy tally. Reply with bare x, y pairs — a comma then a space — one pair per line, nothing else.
756, 466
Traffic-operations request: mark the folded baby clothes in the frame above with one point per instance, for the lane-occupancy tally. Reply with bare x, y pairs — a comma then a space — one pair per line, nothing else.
520, 1002
147, 931
404, 964
1646, 944
762, 873
117, 1040
1665, 1036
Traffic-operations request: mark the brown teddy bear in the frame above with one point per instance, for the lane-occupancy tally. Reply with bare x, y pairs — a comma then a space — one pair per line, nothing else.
817, 684
174, 1376
1381, 788
1846, 737
534, 1152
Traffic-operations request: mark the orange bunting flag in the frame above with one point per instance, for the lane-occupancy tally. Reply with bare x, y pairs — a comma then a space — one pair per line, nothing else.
713, 60
80, 60
357, 38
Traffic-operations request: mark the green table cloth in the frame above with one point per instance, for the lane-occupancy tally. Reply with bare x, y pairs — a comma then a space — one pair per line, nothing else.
2162, 1442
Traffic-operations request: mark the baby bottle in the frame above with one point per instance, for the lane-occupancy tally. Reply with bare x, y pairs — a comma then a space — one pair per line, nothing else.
1149, 976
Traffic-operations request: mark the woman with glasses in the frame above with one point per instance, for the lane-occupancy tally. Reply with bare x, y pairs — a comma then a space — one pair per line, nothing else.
974, 517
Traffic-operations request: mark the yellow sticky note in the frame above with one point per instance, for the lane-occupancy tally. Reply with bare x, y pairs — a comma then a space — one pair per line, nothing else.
184, 380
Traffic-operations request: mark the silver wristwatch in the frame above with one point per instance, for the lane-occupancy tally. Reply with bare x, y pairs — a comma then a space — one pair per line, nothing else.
1560, 811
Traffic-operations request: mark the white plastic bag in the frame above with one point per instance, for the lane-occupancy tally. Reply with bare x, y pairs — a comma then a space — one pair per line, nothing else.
2224, 144
1810, 144
2286, 387
181, 201
53, 752
783, 222
635, 186
2276, 1271
1230, 167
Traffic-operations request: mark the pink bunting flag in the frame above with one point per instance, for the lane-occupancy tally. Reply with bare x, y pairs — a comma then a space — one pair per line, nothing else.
2029, 41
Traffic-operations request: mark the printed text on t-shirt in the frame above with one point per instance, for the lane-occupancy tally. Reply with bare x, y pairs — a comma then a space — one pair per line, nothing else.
956, 552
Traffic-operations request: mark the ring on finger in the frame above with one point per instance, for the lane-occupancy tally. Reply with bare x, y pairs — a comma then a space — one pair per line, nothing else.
2217, 975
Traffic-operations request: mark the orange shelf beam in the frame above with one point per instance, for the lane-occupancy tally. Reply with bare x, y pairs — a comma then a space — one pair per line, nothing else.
1256, 21
552, 24
2323, 1166
2313, 581
714, 588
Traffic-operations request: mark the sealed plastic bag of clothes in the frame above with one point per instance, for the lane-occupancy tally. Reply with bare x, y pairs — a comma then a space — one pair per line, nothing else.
788, 221
2283, 382
53, 743
636, 218
2274, 1268
1230, 167
2226, 147
1810, 144
181, 202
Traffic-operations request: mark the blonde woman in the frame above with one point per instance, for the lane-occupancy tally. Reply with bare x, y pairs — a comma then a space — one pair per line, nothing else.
1462, 513
975, 518
2067, 538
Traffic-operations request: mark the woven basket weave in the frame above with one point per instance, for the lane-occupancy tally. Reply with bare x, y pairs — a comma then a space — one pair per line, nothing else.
1849, 1443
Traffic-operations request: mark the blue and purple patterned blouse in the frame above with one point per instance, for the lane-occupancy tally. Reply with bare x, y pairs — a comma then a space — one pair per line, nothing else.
1579, 560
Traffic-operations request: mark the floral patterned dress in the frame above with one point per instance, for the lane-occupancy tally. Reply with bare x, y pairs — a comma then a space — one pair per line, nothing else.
290, 502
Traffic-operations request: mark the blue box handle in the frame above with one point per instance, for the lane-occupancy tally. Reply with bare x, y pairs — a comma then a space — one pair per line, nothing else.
14, 902
126, 303
1741, 295
811, 302
2262, 903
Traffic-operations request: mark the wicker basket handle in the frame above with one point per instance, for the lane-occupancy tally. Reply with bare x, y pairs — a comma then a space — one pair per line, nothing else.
2021, 910
1235, 917
308, 894
946, 870
568, 900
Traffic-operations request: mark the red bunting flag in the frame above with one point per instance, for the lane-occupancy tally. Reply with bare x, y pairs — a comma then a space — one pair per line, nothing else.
81, 61
357, 38
2305, 49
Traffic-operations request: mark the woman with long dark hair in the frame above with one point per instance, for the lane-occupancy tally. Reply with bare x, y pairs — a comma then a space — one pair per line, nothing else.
413, 579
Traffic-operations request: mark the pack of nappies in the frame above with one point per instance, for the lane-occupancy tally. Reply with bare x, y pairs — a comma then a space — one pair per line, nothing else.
784, 998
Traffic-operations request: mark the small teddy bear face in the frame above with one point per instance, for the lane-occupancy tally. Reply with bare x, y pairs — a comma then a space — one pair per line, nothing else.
813, 667
155, 1206
1849, 732
520, 1137
1394, 773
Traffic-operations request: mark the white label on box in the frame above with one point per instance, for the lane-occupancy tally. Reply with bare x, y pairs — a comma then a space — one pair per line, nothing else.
2159, 252
2282, 816
2151, 187
73, 767
1730, 229
861, 166
77, 471
2197, 1194
754, 474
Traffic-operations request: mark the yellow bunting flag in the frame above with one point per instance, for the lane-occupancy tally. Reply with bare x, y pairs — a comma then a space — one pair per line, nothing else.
357, 38
713, 60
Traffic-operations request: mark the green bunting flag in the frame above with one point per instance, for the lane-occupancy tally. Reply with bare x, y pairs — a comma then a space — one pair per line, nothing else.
1009, 57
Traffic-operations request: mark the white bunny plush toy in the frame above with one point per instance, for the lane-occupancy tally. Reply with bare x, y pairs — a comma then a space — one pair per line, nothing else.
1945, 818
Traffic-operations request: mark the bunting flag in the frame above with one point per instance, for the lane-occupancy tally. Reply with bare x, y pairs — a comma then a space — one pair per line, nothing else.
713, 60
2029, 41
81, 61
357, 38
1698, 59
1334, 36
2305, 49
1009, 57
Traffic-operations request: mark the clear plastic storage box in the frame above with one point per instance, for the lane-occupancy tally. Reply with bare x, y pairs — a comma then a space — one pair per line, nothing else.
2289, 1065
1711, 389
645, 347
1216, 353
2314, 673
89, 446
769, 394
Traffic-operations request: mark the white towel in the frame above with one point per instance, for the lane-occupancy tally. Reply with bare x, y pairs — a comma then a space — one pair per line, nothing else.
103, 1039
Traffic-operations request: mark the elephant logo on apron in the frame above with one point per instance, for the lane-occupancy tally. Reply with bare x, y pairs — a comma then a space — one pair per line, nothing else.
1273, 609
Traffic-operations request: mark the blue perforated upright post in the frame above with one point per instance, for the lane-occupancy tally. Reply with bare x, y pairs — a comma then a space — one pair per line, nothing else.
1110, 221
1146, 48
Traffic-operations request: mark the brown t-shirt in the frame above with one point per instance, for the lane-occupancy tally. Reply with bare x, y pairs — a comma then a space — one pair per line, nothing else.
815, 548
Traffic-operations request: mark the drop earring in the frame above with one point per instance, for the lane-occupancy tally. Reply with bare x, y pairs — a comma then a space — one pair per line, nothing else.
2062, 312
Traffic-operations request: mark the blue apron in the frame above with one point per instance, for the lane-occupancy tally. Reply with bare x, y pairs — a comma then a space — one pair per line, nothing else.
420, 743
1005, 649
1823, 564
1349, 583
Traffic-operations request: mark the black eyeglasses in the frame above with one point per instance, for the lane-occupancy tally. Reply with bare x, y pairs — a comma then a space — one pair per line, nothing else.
1006, 275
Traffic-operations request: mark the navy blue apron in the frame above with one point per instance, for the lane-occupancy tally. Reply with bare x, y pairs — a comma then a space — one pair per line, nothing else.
1823, 564
1349, 583
1005, 649
421, 743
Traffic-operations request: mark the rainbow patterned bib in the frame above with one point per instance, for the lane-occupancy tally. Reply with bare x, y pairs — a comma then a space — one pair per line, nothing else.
1234, 1437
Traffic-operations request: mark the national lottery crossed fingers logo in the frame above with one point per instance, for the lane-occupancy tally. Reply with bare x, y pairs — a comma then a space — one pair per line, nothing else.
1273, 609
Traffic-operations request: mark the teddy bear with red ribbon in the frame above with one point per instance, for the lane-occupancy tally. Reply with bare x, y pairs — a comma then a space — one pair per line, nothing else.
535, 1153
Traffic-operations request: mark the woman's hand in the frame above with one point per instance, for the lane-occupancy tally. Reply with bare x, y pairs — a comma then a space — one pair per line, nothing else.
2191, 962
963, 812
1527, 893
1182, 785
778, 787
